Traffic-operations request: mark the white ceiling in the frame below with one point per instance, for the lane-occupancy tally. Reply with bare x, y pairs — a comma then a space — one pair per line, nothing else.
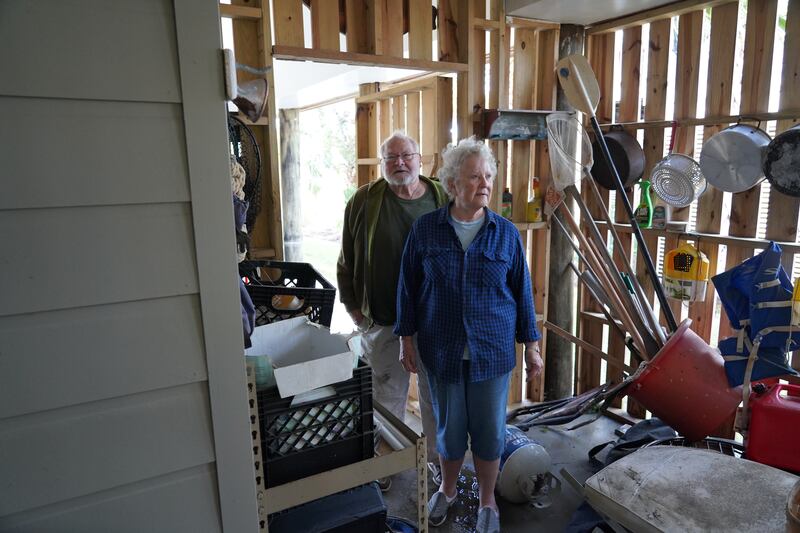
580, 12
303, 83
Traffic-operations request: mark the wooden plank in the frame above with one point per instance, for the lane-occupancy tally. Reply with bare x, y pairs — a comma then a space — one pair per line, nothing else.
366, 136
241, 12
161, 231
384, 91
756, 73
398, 113
156, 432
531, 24
499, 51
653, 145
444, 113
161, 501
360, 36
288, 16
351, 58
271, 153
780, 226
246, 39
88, 172
517, 382
448, 31
72, 65
116, 347
687, 71
324, 25
602, 58
427, 141
718, 102
649, 15
522, 94
412, 115
420, 32
544, 98
792, 115
477, 80
485, 24
715, 238
384, 121
388, 24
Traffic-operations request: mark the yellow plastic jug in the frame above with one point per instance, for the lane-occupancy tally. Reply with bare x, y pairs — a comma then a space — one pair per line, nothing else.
686, 274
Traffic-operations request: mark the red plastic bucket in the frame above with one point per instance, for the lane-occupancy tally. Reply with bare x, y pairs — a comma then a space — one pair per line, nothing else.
685, 385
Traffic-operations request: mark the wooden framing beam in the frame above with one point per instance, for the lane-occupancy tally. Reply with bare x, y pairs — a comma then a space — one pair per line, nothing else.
397, 90
788, 114
353, 58
649, 15
531, 24
239, 12
711, 238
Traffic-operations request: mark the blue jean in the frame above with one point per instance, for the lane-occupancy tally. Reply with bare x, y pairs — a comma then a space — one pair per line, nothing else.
476, 410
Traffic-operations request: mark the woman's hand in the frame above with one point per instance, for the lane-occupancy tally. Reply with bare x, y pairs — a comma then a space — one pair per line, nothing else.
408, 354
533, 360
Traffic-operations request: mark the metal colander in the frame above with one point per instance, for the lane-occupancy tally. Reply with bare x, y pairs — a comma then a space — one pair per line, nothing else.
678, 180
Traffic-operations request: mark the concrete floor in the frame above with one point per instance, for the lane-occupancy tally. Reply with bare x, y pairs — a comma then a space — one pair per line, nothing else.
568, 449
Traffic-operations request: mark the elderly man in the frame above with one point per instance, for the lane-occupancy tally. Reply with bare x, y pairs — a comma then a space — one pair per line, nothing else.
377, 220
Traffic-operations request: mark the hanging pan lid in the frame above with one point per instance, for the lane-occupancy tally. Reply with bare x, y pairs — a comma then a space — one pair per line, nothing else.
731, 159
782, 162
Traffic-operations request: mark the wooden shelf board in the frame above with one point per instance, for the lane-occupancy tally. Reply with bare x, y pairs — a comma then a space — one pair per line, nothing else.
352, 58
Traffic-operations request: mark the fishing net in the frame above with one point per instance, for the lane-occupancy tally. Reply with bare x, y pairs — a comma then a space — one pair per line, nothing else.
570, 149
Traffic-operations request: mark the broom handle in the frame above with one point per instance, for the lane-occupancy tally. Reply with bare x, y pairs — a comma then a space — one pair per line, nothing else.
637, 231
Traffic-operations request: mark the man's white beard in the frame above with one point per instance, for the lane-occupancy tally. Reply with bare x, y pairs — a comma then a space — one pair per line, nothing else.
398, 182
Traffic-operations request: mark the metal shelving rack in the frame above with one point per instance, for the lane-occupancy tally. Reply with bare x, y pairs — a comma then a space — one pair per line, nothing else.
271, 500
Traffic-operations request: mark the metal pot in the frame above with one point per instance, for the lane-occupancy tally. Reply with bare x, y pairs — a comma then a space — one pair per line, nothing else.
731, 160
782, 162
628, 157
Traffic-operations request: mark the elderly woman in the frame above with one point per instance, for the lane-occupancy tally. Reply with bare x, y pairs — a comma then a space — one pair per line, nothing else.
465, 292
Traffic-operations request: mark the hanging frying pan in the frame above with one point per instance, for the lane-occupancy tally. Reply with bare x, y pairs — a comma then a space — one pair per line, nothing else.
731, 160
628, 157
782, 162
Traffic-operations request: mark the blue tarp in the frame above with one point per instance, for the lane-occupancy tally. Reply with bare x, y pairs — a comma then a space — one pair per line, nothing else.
757, 297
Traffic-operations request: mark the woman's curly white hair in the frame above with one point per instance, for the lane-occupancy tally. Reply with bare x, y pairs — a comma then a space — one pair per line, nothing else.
453, 158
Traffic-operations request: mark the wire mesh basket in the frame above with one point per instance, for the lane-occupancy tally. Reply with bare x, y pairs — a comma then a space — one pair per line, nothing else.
678, 180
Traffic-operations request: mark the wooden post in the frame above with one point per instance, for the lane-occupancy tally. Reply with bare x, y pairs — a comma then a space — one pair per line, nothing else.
560, 356
290, 185
366, 136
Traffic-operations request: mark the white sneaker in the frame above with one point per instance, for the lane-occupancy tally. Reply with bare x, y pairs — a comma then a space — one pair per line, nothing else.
436, 473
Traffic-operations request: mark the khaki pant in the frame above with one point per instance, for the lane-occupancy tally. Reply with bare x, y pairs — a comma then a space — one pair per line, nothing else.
390, 380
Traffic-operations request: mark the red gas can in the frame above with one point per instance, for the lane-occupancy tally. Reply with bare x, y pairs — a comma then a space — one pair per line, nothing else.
774, 435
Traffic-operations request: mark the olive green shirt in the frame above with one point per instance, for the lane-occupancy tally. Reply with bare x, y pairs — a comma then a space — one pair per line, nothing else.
397, 217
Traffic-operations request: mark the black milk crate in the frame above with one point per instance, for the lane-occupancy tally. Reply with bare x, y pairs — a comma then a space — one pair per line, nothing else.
313, 437
357, 510
268, 279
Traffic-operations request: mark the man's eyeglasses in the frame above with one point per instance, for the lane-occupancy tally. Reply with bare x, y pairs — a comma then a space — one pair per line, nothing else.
404, 157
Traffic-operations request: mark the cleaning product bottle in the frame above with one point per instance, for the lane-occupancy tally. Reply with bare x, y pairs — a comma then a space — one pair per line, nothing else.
644, 213
505, 206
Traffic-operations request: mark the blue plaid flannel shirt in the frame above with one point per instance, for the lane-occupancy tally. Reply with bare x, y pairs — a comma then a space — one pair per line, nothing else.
451, 298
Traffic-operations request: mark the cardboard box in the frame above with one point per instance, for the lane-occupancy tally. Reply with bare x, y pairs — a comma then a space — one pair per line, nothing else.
304, 355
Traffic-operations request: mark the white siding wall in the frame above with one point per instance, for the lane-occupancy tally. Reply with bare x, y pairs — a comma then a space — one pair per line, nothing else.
120, 385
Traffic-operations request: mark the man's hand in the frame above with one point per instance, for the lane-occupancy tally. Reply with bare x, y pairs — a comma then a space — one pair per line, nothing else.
533, 360
358, 317
408, 354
